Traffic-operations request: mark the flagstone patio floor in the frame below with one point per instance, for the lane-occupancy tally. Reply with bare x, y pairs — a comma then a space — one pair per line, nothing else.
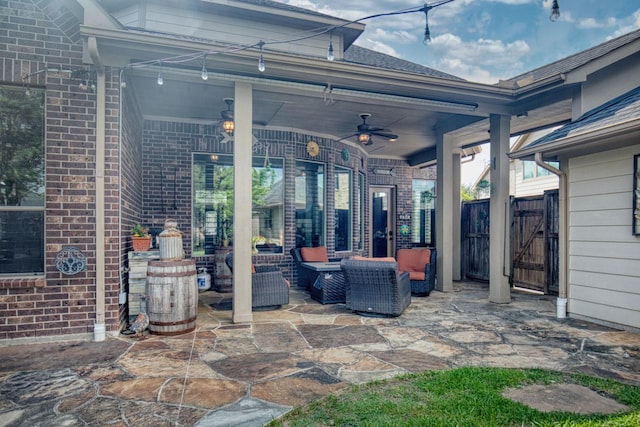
226, 374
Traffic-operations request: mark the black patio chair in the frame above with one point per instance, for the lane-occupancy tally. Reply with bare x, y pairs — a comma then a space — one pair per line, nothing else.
269, 289
376, 287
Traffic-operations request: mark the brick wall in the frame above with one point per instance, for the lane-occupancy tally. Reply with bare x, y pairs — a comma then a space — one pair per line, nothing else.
40, 40
167, 159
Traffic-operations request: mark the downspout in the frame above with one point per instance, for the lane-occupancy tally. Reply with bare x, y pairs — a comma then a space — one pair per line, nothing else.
99, 328
561, 304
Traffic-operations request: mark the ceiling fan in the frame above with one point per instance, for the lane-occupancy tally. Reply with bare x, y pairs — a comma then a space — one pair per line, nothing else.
366, 131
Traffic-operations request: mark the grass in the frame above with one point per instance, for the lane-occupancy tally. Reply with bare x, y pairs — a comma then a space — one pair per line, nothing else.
459, 397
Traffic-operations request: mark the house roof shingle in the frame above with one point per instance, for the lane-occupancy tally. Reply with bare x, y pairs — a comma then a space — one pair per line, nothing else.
623, 108
363, 56
574, 61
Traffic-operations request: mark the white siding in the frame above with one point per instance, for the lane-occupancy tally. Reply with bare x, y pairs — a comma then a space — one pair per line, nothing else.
604, 257
521, 187
228, 29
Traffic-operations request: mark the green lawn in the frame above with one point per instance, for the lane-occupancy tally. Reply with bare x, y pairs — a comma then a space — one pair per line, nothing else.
459, 397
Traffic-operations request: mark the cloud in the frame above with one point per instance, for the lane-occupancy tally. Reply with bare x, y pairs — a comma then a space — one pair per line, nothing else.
475, 60
591, 23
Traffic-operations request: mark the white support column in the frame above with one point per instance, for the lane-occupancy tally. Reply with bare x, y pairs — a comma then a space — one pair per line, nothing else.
242, 196
456, 215
444, 213
499, 240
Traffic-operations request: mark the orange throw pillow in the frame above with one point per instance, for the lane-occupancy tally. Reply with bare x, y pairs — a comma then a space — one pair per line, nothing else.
413, 260
253, 268
318, 254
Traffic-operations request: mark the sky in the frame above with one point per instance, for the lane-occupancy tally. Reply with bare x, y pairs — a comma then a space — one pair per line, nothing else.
485, 40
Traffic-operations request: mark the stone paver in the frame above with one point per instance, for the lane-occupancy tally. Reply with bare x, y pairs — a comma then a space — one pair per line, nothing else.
227, 375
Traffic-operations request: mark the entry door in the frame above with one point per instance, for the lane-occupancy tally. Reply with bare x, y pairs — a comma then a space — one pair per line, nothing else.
382, 222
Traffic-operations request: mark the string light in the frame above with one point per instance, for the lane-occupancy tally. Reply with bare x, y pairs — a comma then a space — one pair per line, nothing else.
427, 32
330, 55
555, 11
160, 79
205, 73
261, 66
179, 59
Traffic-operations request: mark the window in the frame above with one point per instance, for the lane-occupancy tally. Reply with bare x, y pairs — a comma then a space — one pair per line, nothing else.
21, 181
309, 202
213, 204
343, 209
423, 217
531, 170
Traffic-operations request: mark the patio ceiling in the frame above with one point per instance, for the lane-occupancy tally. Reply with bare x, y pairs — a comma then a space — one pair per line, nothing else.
313, 109
325, 98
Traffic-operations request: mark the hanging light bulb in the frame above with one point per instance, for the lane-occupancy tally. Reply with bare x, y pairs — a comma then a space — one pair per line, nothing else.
330, 55
427, 32
160, 78
261, 66
205, 73
555, 11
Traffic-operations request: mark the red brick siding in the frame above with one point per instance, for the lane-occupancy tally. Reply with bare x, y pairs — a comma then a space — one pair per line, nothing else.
40, 39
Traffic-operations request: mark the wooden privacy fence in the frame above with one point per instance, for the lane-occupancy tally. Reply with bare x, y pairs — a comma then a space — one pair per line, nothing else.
534, 241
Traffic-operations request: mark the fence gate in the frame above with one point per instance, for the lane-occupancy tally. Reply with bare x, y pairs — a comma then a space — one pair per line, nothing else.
475, 239
534, 241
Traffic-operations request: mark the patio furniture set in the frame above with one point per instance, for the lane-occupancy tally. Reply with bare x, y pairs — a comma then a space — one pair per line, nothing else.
380, 286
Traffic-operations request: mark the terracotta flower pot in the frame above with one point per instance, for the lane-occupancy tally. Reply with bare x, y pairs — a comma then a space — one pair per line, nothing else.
141, 244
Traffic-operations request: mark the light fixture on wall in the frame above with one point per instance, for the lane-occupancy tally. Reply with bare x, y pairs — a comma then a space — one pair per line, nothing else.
228, 125
390, 172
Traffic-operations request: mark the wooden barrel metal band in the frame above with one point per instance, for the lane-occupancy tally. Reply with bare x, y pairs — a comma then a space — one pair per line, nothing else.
182, 322
173, 274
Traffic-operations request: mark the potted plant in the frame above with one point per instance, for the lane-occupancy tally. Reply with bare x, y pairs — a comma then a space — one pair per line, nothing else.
140, 238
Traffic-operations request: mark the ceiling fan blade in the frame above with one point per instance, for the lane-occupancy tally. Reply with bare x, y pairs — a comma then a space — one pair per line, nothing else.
386, 135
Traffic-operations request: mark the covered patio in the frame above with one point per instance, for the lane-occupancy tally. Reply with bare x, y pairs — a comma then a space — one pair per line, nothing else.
225, 374
170, 113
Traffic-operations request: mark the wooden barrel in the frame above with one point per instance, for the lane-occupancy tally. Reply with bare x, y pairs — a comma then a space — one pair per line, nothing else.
172, 296
222, 277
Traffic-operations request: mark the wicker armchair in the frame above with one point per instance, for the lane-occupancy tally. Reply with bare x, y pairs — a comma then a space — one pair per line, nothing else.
421, 265
376, 287
306, 277
269, 289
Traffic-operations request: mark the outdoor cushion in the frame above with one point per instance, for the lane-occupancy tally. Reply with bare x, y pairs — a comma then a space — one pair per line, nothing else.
413, 260
418, 263
362, 258
317, 254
